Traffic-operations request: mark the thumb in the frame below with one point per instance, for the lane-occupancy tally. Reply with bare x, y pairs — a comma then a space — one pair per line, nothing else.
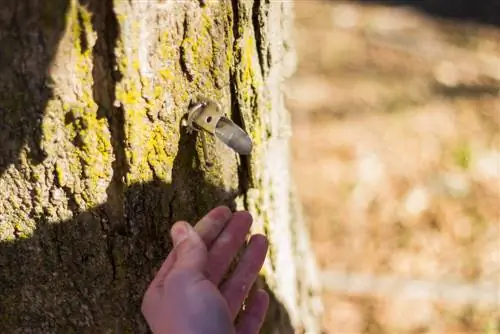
190, 250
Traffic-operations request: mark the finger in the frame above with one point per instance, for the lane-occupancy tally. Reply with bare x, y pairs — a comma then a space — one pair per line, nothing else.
208, 228
212, 224
165, 267
164, 270
236, 288
226, 246
252, 318
189, 250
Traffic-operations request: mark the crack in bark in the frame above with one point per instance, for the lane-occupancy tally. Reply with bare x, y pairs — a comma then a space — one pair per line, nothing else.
116, 115
257, 25
105, 79
184, 61
236, 115
171, 207
234, 8
116, 121
244, 161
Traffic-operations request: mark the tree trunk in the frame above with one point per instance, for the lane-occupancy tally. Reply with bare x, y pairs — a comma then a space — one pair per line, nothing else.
95, 165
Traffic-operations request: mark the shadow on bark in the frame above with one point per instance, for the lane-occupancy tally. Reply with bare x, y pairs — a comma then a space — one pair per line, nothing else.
277, 320
29, 35
483, 12
81, 275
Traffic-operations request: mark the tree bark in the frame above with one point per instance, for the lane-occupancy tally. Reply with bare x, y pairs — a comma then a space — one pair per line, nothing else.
95, 165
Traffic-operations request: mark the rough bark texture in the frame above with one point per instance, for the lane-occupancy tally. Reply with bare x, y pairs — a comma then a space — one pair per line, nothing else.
95, 166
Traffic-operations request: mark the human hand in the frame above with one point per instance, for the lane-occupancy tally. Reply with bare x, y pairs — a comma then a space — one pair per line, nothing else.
185, 296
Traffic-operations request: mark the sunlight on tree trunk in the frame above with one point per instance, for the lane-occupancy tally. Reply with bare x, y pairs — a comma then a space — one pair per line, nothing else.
95, 165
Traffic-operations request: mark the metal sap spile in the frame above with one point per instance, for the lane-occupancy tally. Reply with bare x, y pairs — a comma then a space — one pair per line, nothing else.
206, 115
233, 136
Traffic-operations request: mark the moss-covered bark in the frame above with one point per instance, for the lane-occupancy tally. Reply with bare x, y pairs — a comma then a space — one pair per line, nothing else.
95, 165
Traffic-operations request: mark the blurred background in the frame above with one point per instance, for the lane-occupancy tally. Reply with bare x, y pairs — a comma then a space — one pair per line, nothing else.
396, 155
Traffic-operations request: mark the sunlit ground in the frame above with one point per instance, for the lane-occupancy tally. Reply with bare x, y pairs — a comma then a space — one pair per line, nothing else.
396, 153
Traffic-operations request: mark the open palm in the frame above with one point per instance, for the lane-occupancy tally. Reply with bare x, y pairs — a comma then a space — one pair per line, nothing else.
187, 297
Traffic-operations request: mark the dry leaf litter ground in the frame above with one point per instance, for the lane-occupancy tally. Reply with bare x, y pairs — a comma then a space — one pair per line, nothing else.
396, 154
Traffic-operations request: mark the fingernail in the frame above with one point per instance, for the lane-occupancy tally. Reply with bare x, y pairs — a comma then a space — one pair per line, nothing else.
179, 233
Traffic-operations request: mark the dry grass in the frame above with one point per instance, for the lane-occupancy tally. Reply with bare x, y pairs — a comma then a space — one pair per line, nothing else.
396, 151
